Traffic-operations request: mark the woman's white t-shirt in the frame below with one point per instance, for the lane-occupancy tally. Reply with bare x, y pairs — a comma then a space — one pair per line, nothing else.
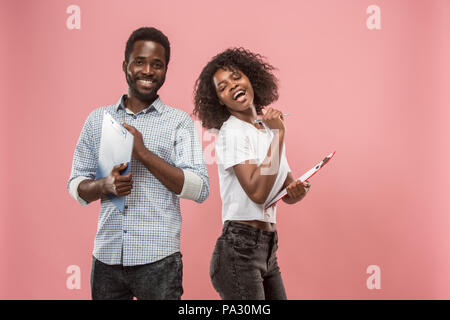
237, 142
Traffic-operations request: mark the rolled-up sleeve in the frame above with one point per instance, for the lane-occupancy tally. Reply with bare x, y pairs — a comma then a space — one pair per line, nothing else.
189, 158
84, 164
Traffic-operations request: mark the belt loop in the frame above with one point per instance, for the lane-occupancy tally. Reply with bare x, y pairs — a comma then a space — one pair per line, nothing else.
225, 227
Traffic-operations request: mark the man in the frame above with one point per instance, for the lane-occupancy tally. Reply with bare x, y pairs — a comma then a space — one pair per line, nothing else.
137, 252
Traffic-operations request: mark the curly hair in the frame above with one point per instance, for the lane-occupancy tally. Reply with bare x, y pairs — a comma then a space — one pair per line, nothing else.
259, 72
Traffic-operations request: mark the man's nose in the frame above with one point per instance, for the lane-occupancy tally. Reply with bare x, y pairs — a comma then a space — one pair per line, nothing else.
147, 69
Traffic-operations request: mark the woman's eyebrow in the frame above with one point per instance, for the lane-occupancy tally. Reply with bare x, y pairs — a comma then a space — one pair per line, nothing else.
226, 79
223, 81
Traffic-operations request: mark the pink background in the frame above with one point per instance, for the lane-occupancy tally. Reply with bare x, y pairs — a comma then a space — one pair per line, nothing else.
378, 97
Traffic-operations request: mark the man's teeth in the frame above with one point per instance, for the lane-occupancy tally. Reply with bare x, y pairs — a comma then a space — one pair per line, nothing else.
146, 81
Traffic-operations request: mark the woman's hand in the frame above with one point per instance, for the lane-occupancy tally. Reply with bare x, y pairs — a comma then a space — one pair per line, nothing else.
273, 119
296, 191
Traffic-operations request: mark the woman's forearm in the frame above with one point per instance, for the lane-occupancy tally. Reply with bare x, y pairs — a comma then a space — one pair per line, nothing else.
261, 179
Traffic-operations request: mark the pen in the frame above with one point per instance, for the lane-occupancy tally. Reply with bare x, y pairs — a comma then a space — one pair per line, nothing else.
260, 120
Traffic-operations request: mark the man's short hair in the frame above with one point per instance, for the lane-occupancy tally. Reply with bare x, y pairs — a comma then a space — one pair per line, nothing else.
149, 34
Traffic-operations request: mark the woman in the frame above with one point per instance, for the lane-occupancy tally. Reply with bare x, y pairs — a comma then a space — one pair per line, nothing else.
230, 93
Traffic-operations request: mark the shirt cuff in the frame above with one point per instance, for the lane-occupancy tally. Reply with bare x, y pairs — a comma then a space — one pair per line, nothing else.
192, 186
73, 190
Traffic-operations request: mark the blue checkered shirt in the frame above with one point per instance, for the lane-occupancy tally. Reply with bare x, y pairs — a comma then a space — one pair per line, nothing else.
149, 228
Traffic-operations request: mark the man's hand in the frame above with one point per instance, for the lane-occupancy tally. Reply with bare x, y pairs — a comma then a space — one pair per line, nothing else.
170, 176
117, 184
139, 148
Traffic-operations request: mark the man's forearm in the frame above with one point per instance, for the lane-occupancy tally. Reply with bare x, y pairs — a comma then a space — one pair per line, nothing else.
170, 176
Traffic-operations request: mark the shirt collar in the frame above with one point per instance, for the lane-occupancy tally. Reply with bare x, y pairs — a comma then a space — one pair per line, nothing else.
158, 105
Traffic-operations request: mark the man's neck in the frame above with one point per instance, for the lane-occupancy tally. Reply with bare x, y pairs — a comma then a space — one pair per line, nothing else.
136, 105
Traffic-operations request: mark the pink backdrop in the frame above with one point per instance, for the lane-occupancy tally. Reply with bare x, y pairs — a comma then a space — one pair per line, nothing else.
379, 97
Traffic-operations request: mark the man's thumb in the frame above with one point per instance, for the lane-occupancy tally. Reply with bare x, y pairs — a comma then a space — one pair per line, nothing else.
120, 167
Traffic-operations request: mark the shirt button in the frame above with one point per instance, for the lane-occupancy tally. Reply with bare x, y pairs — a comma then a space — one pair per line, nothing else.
124, 231
126, 206
134, 116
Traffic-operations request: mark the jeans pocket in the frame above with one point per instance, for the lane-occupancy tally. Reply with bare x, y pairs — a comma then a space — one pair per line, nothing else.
245, 244
244, 241
214, 265
178, 292
215, 259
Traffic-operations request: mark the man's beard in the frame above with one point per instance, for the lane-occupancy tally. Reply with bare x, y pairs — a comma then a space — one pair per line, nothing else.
146, 97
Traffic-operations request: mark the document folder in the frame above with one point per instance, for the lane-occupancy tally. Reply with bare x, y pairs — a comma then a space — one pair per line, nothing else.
303, 178
116, 147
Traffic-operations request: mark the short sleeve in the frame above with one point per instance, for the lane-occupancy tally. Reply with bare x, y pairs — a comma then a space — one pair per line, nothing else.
285, 162
233, 147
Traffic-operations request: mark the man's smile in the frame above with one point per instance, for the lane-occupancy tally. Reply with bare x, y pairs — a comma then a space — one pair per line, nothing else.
146, 83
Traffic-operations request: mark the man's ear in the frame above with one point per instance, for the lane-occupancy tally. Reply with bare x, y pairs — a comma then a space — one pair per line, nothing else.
124, 66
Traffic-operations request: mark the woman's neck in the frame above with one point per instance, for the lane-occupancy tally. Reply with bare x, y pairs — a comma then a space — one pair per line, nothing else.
249, 115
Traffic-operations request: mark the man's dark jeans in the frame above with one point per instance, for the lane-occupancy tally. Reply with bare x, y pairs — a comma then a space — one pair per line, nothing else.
244, 264
160, 280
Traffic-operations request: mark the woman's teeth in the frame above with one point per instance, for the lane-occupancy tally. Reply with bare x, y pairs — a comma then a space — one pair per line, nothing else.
238, 93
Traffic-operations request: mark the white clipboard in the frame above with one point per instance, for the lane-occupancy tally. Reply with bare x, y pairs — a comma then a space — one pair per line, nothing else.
116, 147
303, 178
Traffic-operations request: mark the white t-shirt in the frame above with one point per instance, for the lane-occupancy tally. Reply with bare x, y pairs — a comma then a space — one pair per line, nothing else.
237, 142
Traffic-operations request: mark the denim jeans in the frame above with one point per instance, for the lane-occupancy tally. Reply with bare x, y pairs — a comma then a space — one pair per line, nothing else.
160, 280
244, 264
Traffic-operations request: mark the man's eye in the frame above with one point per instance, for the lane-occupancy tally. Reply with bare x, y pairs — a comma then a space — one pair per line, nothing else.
138, 62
